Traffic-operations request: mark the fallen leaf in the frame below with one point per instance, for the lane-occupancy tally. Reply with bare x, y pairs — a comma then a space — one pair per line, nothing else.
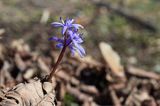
29, 94
112, 59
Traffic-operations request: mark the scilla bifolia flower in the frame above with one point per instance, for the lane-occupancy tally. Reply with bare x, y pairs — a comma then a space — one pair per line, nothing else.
71, 38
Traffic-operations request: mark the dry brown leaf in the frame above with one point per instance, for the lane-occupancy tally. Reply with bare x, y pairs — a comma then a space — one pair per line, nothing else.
112, 59
45, 16
34, 93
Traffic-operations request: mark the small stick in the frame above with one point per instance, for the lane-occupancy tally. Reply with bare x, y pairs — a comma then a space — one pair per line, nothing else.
114, 97
142, 73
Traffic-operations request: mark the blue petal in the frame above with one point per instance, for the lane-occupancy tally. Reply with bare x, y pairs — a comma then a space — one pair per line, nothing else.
72, 49
80, 53
79, 48
64, 29
79, 40
57, 24
56, 39
70, 33
59, 45
77, 26
53, 38
69, 21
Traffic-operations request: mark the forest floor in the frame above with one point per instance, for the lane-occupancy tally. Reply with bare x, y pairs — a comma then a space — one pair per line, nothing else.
122, 65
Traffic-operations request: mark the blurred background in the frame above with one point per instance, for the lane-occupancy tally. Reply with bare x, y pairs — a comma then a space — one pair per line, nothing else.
130, 27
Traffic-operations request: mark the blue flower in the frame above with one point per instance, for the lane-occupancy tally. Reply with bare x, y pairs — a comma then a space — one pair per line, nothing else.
73, 42
67, 24
71, 37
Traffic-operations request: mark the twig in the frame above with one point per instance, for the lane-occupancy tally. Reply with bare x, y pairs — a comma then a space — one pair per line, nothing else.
79, 95
142, 73
114, 97
129, 98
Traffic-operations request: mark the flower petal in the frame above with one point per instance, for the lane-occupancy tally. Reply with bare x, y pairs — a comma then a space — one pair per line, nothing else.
72, 49
57, 24
71, 21
70, 33
56, 39
79, 40
53, 38
79, 48
64, 29
59, 45
77, 26
80, 53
